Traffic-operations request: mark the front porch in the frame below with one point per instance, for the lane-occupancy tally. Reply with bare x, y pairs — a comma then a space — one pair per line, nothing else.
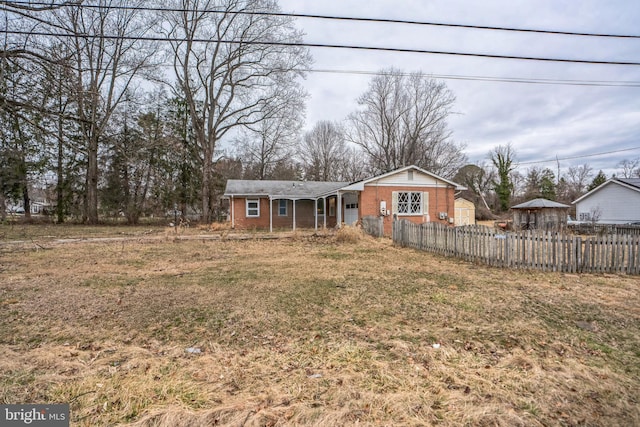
288, 212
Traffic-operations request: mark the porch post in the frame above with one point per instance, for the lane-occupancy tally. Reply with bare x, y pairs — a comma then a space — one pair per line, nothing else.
324, 211
294, 214
315, 214
339, 213
270, 215
233, 217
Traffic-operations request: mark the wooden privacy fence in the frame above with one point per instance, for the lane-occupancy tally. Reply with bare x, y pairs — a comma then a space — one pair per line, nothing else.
538, 250
373, 225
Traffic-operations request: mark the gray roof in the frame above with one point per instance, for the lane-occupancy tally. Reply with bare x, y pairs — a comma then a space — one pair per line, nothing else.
538, 204
634, 182
290, 189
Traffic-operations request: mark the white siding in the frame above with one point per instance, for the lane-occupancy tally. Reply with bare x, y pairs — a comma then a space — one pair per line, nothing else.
616, 204
402, 179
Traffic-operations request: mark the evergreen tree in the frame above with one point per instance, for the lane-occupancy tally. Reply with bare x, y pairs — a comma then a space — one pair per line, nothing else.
600, 179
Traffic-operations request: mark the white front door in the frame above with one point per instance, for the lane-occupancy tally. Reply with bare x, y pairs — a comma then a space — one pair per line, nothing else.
350, 208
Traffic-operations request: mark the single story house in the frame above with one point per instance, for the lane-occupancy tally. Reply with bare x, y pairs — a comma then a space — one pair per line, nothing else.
617, 201
465, 212
540, 214
409, 192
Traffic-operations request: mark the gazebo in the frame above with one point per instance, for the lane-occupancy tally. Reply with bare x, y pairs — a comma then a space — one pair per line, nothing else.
540, 214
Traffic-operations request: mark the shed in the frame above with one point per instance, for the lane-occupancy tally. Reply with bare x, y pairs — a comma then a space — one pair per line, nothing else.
540, 214
465, 212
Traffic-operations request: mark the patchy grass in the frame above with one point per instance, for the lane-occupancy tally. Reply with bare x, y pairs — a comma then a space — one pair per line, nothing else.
313, 331
21, 231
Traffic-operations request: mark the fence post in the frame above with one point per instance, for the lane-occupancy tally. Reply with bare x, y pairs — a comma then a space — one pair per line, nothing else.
578, 254
404, 227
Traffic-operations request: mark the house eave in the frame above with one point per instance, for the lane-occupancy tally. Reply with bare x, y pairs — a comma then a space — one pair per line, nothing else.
604, 184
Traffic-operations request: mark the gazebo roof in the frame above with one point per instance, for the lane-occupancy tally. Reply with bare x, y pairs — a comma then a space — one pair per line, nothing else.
539, 204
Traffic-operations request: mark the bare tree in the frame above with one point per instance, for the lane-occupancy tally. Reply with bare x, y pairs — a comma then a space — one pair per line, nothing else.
629, 168
108, 56
403, 121
104, 48
228, 64
478, 179
266, 144
575, 182
353, 168
323, 152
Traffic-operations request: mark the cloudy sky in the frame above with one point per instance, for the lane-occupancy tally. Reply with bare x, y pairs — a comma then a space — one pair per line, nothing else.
541, 121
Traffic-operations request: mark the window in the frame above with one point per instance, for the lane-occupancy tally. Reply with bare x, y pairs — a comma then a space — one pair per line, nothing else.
585, 216
253, 208
320, 207
332, 207
409, 203
282, 207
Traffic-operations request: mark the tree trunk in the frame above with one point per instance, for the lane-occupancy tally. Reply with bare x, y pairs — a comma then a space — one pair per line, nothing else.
25, 200
91, 201
60, 173
3, 207
206, 184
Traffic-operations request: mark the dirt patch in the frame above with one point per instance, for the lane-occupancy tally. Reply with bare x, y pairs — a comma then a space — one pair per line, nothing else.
311, 331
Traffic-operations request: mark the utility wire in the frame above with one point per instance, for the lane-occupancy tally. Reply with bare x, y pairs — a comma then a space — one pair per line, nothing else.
579, 157
598, 83
326, 45
334, 17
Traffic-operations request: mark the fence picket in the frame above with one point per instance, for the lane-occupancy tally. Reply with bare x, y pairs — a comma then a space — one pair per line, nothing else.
544, 251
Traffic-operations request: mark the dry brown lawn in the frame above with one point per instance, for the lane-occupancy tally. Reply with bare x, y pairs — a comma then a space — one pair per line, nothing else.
151, 330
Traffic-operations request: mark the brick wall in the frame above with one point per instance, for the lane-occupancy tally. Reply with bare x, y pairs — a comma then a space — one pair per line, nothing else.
441, 199
304, 215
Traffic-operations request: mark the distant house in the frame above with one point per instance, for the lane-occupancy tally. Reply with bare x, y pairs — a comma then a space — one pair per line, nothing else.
465, 212
36, 207
617, 201
409, 192
540, 214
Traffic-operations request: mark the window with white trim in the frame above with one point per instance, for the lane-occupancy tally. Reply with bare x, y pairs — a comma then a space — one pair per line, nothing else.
585, 216
253, 208
282, 207
409, 203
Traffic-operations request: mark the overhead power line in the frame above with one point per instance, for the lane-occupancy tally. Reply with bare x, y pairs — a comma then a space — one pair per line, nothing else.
579, 157
338, 18
332, 46
598, 83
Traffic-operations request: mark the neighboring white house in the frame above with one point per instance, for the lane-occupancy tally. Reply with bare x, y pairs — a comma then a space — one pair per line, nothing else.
617, 201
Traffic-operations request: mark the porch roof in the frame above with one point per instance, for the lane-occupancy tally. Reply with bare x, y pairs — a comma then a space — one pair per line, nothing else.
281, 189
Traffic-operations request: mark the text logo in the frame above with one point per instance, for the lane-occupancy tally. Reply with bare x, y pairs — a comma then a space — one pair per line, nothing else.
35, 415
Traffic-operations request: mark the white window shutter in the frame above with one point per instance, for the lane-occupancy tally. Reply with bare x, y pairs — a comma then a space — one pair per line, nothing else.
425, 203
394, 202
